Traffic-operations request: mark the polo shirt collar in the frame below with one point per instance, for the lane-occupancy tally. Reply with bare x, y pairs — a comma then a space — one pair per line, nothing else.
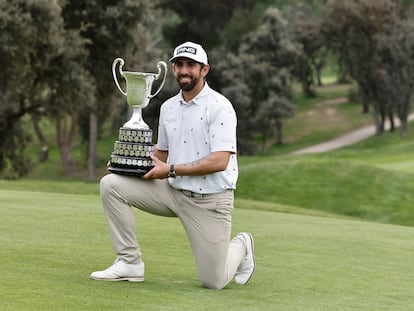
198, 99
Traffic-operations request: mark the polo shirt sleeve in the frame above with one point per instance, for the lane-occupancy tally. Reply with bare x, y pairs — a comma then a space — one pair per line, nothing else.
162, 141
222, 127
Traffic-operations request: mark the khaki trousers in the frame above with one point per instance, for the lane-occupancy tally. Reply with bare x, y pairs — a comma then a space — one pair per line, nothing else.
207, 222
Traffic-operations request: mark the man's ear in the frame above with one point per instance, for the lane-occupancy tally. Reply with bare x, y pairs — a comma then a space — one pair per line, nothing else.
205, 69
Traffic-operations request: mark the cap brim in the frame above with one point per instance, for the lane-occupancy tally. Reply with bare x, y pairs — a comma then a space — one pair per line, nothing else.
189, 56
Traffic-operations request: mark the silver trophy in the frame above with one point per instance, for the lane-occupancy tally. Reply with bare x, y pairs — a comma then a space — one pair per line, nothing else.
133, 149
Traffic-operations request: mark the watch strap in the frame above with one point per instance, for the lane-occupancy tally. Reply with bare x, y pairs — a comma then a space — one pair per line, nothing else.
172, 173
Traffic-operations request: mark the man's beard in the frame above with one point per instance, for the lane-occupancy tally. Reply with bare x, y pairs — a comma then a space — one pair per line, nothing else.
187, 86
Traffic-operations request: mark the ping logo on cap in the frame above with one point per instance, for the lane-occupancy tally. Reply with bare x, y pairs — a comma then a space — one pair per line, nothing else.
187, 49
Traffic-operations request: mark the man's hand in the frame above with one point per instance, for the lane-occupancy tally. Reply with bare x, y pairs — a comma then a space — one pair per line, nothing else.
160, 171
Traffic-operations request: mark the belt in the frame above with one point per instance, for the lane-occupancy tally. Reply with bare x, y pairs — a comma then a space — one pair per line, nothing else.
199, 195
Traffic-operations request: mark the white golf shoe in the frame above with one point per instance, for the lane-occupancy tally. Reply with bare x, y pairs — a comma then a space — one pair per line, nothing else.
247, 266
121, 271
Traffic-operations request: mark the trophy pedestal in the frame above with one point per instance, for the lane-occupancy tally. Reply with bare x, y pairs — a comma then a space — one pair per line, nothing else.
132, 152
128, 171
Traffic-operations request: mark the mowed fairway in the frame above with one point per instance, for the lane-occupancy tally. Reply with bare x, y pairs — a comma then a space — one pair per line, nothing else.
50, 242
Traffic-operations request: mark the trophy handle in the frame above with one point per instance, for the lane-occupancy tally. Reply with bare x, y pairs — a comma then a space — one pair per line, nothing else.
159, 65
116, 61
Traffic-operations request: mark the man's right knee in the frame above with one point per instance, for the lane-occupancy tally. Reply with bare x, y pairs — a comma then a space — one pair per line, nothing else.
107, 183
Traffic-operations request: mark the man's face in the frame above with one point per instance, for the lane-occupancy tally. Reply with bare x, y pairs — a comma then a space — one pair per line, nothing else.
188, 73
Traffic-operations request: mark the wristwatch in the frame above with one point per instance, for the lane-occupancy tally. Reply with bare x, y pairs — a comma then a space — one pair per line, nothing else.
172, 173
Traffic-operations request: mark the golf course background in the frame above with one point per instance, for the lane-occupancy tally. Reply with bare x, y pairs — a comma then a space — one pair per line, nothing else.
333, 231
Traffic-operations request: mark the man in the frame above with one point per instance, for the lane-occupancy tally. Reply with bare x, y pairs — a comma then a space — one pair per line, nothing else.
196, 151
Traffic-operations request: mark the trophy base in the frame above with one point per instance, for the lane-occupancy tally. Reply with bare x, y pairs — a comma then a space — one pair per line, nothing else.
132, 152
134, 166
129, 171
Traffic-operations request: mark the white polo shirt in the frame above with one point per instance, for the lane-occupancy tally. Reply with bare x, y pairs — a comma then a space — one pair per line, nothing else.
193, 130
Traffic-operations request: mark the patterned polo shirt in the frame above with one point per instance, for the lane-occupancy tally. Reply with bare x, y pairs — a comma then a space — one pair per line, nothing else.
192, 130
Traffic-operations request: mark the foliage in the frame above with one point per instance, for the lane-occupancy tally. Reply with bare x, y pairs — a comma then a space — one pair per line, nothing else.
243, 20
33, 37
195, 17
257, 80
112, 29
64, 50
305, 30
395, 73
376, 44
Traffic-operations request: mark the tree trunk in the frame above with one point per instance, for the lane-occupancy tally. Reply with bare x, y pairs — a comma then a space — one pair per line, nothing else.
404, 113
365, 107
65, 131
38, 130
391, 118
404, 127
343, 73
44, 150
377, 122
93, 137
319, 75
383, 119
279, 132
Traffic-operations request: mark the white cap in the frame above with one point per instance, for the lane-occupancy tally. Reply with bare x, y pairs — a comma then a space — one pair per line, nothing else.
190, 50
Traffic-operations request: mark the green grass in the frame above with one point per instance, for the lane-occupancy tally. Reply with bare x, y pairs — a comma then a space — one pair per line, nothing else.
388, 150
331, 185
372, 180
51, 242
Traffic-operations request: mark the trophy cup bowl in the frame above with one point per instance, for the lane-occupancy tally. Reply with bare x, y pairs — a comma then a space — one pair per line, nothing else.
133, 149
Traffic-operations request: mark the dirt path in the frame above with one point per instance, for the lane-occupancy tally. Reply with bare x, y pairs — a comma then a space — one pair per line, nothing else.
347, 139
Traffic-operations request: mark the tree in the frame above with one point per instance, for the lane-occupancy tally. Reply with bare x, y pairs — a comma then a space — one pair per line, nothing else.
395, 73
305, 30
235, 85
257, 80
70, 90
370, 39
113, 29
32, 42
199, 21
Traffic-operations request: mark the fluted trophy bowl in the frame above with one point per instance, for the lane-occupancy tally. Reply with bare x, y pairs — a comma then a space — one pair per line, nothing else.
133, 149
